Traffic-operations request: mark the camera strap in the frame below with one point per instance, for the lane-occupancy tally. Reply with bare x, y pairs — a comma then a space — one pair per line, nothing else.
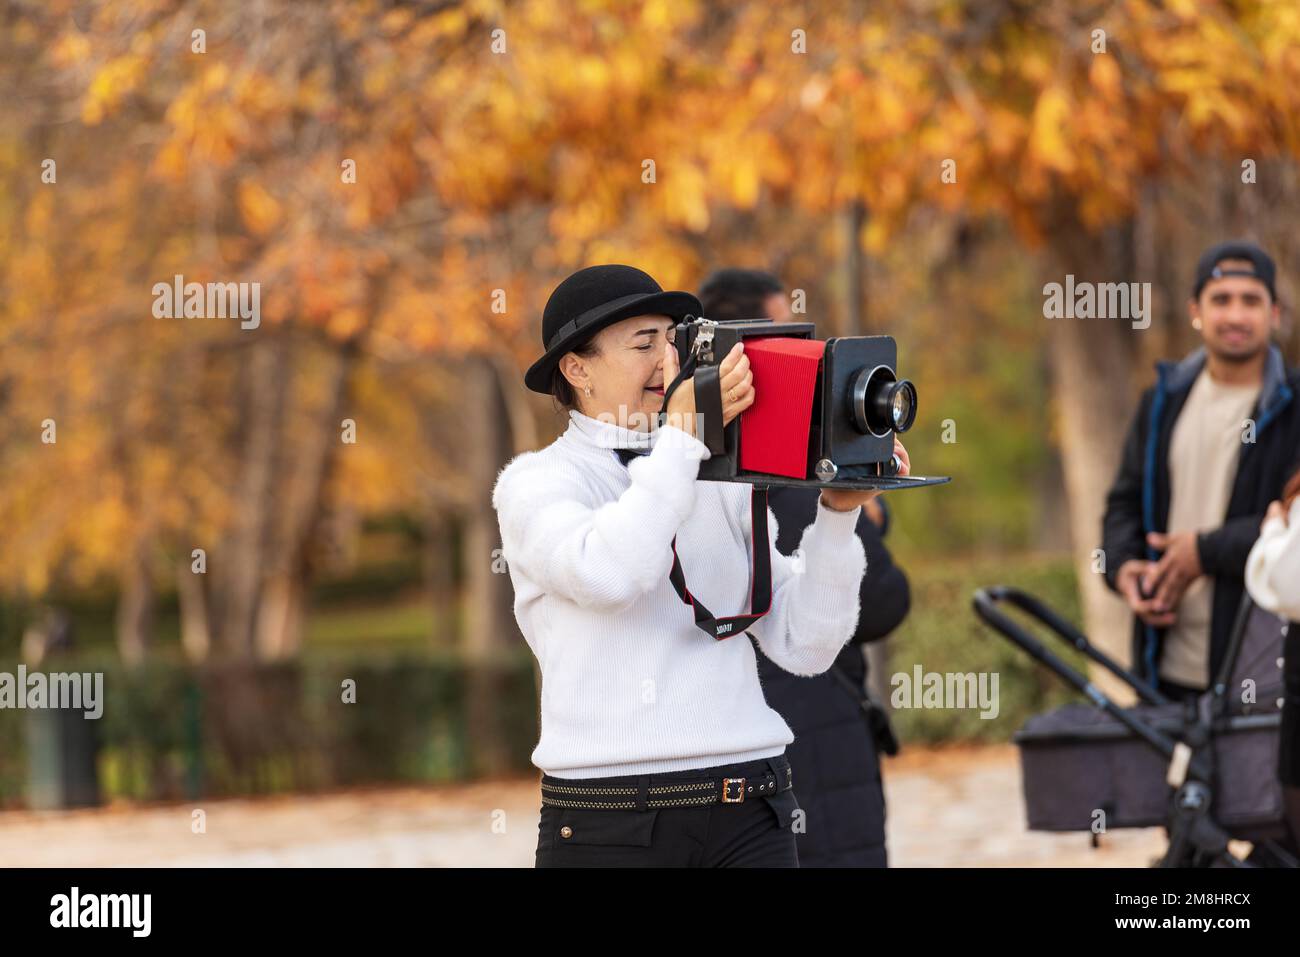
682, 375
709, 401
760, 596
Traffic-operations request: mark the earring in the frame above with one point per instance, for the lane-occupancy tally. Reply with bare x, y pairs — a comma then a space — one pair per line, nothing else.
587, 392
1196, 324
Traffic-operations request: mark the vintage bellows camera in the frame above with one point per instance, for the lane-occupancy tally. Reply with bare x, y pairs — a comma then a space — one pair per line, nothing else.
824, 413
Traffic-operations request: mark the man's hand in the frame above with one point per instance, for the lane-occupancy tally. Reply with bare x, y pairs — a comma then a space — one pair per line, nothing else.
1178, 567
1129, 584
875, 512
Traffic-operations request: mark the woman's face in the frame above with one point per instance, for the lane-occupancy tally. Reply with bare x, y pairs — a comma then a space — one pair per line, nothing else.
626, 375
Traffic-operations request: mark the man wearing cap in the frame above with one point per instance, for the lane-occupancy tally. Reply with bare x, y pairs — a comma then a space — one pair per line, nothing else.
1212, 443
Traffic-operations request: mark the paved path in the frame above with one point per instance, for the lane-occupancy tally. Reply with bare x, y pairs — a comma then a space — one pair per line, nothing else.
947, 808
963, 808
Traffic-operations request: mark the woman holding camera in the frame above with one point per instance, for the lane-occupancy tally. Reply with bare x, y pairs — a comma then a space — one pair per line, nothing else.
657, 747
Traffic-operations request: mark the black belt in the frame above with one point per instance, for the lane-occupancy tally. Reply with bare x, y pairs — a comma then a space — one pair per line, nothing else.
648, 792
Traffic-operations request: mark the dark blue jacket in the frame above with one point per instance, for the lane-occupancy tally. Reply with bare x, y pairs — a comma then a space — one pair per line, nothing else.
833, 757
1138, 501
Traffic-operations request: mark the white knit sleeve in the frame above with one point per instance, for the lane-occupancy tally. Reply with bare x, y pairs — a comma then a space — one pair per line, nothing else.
814, 593
603, 556
1273, 566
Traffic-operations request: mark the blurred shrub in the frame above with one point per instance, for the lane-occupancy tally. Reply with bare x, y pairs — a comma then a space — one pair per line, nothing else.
172, 732
942, 634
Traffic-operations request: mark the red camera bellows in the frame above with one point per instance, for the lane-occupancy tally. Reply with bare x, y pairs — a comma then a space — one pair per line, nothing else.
774, 430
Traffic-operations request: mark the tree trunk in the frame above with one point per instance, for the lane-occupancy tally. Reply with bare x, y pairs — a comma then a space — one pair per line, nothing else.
490, 625
241, 564
439, 578
280, 617
135, 608
196, 637
280, 623
855, 269
1094, 362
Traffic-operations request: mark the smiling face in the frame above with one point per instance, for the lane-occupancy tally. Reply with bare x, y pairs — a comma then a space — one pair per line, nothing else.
626, 375
1237, 315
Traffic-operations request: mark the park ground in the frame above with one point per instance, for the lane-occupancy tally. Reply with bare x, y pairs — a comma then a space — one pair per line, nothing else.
948, 807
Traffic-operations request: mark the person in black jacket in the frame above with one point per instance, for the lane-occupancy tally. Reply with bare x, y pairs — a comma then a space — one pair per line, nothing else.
1212, 444
834, 756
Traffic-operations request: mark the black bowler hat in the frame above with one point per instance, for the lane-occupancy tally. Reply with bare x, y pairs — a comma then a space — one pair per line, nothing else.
592, 299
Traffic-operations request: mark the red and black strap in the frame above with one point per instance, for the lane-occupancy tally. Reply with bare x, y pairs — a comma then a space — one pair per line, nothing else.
708, 399
760, 595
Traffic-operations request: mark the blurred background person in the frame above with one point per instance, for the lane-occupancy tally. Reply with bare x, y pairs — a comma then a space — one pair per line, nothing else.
838, 728
1210, 447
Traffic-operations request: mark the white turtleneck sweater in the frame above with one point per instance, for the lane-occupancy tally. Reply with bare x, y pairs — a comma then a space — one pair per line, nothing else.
630, 685
1273, 566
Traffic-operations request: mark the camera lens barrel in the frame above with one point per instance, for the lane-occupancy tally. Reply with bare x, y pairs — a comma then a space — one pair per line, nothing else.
902, 404
881, 403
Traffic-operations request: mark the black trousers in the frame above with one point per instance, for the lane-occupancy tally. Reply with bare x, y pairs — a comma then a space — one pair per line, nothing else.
758, 832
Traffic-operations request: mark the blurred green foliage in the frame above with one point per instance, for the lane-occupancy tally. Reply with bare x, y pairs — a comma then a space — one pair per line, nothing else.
171, 731
968, 335
943, 635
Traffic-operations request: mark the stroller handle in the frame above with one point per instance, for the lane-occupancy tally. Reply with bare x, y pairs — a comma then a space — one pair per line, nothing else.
986, 600
1191, 828
985, 606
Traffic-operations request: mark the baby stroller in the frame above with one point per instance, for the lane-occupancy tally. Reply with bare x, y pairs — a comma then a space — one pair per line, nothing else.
1206, 770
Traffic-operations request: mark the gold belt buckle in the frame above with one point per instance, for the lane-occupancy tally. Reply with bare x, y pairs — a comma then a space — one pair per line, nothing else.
726, 785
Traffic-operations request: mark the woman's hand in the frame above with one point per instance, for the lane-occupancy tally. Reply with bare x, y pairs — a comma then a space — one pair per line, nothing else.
1275, 510
846, 500
735, 376
737, 381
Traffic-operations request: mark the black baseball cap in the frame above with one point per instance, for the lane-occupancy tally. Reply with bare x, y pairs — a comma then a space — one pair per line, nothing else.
1261, 265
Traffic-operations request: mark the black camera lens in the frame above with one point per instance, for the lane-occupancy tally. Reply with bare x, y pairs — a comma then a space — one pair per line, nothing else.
902, 405
881, 403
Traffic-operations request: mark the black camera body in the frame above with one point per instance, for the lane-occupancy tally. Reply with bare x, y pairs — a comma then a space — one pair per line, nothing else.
858, 404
